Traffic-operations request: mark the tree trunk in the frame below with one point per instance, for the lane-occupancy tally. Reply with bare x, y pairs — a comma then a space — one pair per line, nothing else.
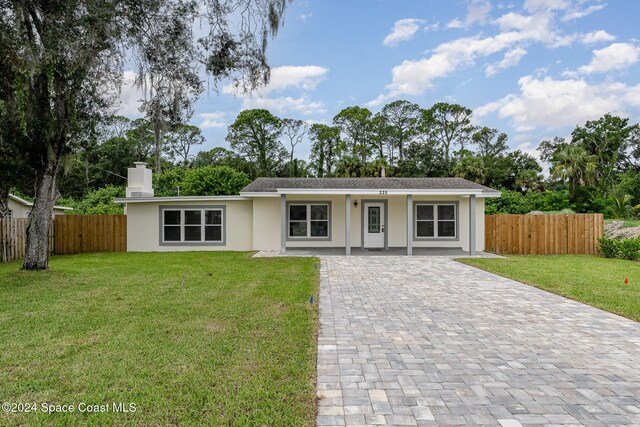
157, 135
37, 250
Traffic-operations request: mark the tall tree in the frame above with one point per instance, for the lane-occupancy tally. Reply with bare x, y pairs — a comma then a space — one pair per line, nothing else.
294, 131
575, 165
355, 124
449, 125
325, 148
402, 118
610, 139
61, 58
255, 134
181, 140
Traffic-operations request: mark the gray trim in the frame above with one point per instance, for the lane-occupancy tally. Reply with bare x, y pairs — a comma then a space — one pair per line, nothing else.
309, 239
472, 225
283, 224
436, 239
162, 208
386, 221
409, 225
347, 224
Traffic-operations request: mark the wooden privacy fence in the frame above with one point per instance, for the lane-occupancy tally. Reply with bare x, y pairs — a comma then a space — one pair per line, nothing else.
13, 238
543, 234
76, 234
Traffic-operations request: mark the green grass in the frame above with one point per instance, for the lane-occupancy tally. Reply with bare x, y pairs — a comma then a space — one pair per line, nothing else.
236, 346
589, 279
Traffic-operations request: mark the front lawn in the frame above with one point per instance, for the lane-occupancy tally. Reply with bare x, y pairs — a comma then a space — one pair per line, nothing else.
589, 279
235, 346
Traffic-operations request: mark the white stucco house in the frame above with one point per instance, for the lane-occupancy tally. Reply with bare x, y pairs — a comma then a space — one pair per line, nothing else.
284, 214
20, 208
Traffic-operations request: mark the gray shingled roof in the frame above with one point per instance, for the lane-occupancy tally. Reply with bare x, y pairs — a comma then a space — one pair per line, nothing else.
270, 185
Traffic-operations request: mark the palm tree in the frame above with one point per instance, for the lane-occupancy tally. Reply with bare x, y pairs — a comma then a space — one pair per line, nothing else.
471, 167
621, 208
574, 164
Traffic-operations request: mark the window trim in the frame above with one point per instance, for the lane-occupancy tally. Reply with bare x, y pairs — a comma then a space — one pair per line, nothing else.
182, 208
435, 205
308, 237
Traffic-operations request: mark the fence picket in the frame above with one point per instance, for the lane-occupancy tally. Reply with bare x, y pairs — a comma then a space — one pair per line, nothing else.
544, 234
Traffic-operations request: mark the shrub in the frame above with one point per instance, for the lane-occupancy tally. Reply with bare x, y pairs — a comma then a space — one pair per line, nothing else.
625, 249
608, 248
214, 181
629, 249
100, 202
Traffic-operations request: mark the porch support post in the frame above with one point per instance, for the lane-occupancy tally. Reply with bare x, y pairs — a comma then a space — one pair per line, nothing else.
347, 224
472, 224
283, 224
409, 224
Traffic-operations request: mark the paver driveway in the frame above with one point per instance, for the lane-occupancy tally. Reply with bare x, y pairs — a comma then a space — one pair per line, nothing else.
429, 341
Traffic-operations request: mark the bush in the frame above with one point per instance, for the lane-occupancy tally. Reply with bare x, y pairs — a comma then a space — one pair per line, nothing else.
625, 249
629, 249
100, 202
214, 181
608, 248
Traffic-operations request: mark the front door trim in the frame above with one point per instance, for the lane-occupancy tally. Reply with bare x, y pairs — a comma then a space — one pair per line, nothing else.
386, 221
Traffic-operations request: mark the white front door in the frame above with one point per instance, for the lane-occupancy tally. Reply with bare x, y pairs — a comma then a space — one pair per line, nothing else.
373, 225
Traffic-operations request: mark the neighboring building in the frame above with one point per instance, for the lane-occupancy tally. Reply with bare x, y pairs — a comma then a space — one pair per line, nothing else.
20, 208
281, 213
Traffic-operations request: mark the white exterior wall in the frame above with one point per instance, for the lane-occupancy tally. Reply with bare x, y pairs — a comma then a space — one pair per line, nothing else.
266, 223
18, 210
396, 226
143, 227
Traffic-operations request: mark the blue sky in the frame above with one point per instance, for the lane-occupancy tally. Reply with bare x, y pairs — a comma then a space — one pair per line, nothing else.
533, 69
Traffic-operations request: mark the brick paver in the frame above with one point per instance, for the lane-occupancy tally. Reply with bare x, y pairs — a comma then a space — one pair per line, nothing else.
428, 341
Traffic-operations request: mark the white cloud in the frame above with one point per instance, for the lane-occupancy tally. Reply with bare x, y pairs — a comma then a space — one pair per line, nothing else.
455, 23
403, 30
552, 103
477, 11
212, 120
613, 57
305, 77
545, 5
511, 58
578, 13
305, 16
286, 78
597, 37
286, 104
129, 100
414, 77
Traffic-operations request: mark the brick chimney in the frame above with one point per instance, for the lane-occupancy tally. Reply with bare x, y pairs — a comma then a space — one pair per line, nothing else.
139, 181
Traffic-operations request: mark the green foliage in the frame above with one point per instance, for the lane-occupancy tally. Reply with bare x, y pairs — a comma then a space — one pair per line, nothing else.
510, 202
166, 183
213, 181
255, 135
628, 249
608, 248
619, 207
100, 202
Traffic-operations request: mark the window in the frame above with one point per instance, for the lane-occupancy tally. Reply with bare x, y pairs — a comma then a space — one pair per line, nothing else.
435, 220
308, 220
191, 225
